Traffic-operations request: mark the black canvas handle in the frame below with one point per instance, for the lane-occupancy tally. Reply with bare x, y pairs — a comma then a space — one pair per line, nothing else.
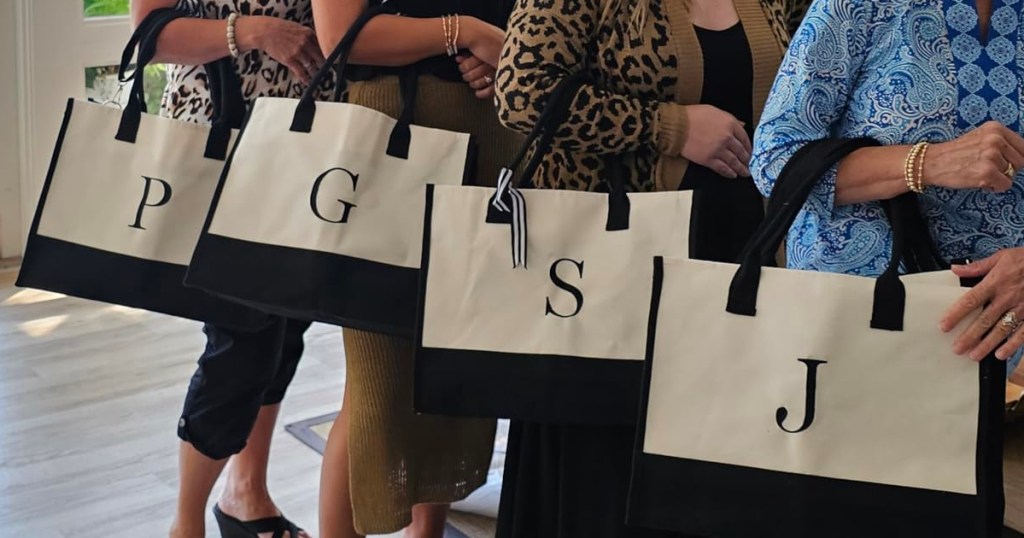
541, 140
225, 85
792, 189
337, 63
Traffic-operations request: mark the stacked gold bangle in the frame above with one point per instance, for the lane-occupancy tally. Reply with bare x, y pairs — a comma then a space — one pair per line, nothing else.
913, 167
451, 26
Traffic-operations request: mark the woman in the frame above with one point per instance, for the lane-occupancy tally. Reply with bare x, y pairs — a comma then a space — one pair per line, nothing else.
910, 73
678, 86
235, 395
385, 466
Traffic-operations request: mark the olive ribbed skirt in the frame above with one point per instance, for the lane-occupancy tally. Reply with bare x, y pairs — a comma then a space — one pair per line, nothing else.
398, 458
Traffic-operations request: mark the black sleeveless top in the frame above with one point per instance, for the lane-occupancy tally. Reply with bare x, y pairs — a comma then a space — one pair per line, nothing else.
725, 211
495, 12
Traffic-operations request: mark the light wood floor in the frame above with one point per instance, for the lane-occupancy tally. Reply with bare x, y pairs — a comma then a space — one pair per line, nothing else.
89, 399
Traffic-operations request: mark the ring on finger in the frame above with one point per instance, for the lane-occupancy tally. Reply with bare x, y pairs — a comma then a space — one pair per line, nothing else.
1009, 322
488, 80
1010, 170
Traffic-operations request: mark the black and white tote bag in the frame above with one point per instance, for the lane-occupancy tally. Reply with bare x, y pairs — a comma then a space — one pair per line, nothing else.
319, 213
126, 196
783, 403
560, 337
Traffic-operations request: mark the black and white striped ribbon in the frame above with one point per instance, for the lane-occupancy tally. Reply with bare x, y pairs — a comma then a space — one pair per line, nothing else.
516, 205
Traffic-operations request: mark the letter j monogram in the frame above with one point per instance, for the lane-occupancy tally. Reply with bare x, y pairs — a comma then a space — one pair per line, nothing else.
812, 382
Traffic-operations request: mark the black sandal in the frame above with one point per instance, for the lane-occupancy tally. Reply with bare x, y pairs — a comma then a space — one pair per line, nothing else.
231, 527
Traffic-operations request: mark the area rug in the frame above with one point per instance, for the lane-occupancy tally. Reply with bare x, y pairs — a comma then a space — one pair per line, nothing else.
472, 518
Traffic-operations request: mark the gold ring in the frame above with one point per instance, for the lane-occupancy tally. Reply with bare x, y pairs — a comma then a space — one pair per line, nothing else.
488, 80
1010, 321
1010, 170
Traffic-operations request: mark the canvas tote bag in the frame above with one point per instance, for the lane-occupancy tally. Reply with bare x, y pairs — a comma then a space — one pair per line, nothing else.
319, 212
127, 193
559, 338
783, 403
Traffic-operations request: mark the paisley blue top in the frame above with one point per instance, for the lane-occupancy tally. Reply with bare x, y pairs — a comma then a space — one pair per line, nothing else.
899, 71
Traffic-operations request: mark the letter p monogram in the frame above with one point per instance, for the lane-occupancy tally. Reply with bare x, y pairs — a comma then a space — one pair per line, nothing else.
145, 202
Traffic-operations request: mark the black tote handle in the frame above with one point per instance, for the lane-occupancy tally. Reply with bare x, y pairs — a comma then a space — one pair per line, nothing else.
792, 189
541, 139
337, 62
225, 85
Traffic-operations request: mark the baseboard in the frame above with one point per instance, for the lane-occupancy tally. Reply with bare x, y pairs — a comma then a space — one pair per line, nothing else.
9, 264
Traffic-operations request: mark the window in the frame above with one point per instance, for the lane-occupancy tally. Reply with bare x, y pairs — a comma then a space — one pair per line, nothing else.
105, 8
102, 86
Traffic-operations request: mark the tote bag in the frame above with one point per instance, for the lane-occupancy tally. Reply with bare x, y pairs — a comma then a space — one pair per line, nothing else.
127, 194
783, 403
319, 212
560, 337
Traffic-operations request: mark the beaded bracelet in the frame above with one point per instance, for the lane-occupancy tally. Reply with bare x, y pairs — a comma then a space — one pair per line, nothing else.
232, 43
913, 167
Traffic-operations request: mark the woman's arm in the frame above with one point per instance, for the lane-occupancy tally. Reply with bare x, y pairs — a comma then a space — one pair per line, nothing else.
543, 47
392, 40
194, 41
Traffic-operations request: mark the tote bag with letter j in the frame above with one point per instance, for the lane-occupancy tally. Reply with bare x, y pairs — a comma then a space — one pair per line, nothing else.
127, 193
799, 404
319, 213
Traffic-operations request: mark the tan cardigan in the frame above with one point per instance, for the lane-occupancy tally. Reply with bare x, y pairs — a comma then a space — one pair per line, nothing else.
646, 60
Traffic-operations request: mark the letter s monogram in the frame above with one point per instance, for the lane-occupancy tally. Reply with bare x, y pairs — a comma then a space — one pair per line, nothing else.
567, 287
347, 206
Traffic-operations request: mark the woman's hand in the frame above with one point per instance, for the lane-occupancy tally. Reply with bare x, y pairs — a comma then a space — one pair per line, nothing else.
481, 39
478, 74
1001, 294
717, 140
290, 43
979, 159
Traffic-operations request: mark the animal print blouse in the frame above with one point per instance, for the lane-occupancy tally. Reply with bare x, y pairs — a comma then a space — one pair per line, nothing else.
187, 96
646, 63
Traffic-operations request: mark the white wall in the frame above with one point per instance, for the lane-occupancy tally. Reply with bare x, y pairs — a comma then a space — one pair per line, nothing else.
10, 197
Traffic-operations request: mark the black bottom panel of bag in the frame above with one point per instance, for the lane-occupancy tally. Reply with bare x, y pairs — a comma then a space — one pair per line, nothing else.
535, 388
727, 501
98, 275
308, 285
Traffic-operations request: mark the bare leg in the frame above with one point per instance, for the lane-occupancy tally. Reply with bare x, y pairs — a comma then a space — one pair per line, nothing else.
196, 475
335, 493
245, 494
427, 521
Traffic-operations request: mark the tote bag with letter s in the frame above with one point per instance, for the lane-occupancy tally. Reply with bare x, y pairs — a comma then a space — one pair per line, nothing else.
560, 338
798, 404
319, 213
127, 193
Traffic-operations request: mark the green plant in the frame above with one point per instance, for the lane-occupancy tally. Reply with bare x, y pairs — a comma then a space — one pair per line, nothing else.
105, 8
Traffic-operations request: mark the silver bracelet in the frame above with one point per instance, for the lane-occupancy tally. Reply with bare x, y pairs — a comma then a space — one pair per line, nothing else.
232, 43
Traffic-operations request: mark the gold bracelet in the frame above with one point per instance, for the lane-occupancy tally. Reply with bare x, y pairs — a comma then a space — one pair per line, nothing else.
909, 167
920, 167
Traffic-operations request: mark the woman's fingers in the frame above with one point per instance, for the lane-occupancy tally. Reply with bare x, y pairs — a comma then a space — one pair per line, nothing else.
741, 134
977, 269
1012, 345
486, 93
736, 147
1004, 328
479, 73
976, 331
722, 168
974, 299
737, 166
468, 63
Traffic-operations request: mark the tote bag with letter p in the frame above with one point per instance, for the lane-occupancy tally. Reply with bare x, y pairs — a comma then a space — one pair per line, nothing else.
319, 213
560, 338
798, 404
126, 196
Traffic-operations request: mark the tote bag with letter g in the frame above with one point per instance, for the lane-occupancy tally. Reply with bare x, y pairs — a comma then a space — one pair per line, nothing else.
126, 196
798, 404
319, 211
560, 338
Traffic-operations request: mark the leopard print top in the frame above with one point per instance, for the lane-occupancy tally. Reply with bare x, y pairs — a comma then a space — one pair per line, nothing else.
187, 95
628, 48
